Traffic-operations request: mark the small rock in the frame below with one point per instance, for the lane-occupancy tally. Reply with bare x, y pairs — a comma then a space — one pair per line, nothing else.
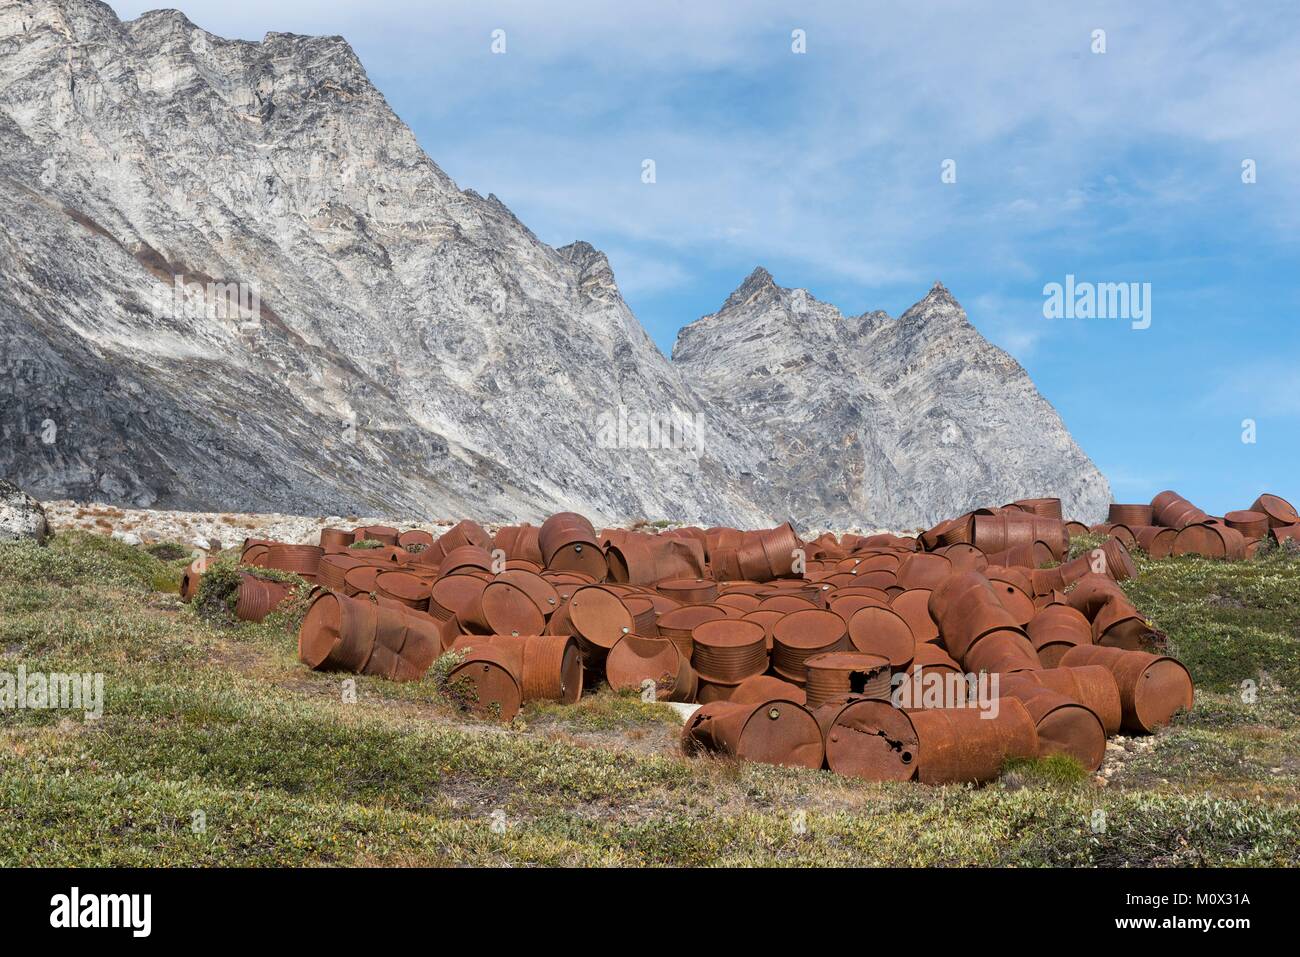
129, 538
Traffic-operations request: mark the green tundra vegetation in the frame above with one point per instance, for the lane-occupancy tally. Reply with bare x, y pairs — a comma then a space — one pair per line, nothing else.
216, 746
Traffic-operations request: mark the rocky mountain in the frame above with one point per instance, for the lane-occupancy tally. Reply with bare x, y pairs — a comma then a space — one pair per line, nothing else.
231, 278
900, 421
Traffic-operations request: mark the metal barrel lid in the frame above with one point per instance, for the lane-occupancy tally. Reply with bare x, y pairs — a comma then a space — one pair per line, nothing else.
865, 591
585, 558
494, 684
746, 603
771, 732
509, 610
869, 739
465, 556
1056, 629
1013, 596
542, 592
963, 557
847, 605
635, 659
415, 536
599, 616
1280, 512
913, 606
802, 634
1003, 651
689, 590
786, 604
410, 590
882, 631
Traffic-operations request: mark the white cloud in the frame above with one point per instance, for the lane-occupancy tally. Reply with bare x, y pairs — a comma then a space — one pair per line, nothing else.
1259, 389
830, 159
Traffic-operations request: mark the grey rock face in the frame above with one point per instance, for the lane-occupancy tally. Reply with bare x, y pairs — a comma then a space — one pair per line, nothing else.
21, 516
405, 347
892, 422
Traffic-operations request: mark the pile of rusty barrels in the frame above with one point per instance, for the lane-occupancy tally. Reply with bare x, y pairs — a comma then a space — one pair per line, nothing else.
1171, 525
936, 657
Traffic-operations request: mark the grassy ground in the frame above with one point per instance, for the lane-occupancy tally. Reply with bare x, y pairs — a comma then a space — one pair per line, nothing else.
217, 747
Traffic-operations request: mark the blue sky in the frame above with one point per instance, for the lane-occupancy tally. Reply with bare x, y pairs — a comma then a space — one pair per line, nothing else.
1118, 167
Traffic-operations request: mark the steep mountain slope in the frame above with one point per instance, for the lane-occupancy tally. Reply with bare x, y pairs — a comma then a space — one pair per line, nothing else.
895, 421
409, 347
417, 345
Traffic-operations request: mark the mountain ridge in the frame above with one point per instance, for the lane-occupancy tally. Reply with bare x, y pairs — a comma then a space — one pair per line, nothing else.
417, 347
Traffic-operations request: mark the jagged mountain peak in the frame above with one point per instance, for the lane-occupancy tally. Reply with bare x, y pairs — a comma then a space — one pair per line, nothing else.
595, 274
905, 421
757, 283
938, 303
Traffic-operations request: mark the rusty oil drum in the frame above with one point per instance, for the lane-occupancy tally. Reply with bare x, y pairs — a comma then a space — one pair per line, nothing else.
958, 745
839, 675
1152, 688
771, 732
869, 739
1064, 725
568, 542
1171, 509
1093, 686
